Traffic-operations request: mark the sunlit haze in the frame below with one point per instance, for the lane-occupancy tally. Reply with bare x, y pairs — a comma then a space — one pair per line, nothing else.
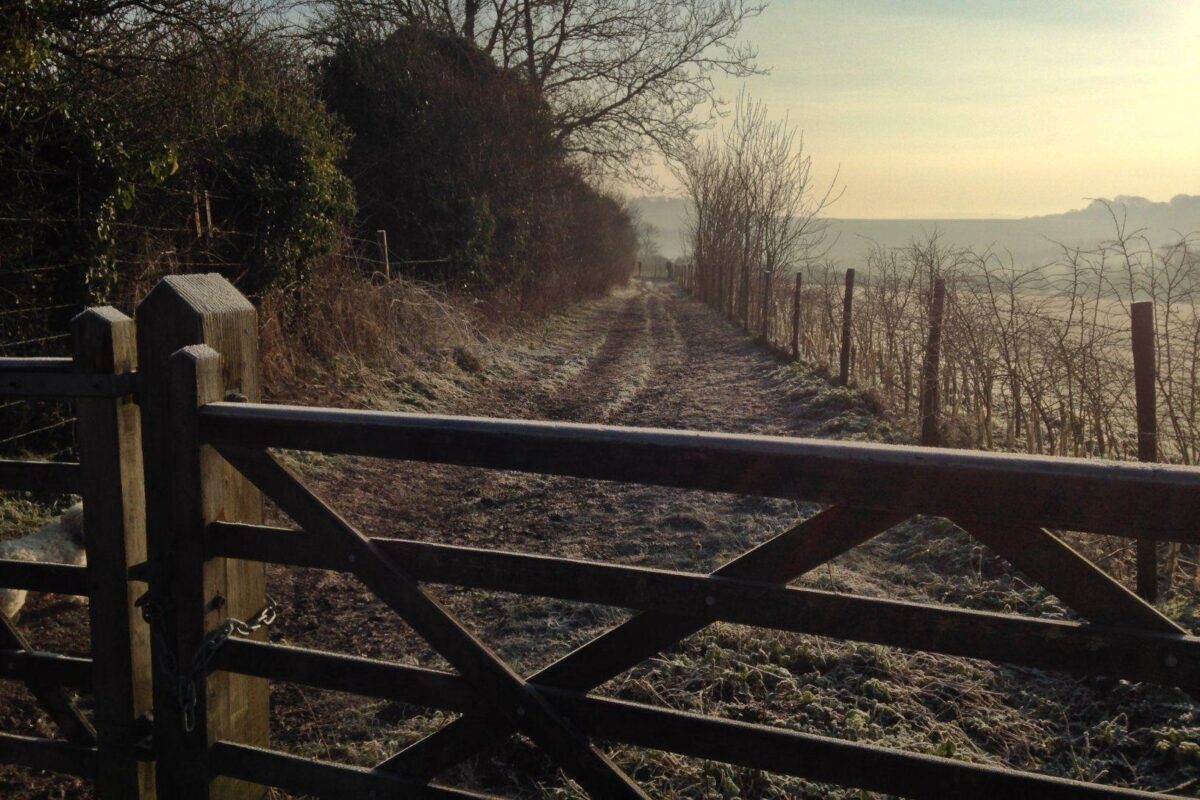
938, 108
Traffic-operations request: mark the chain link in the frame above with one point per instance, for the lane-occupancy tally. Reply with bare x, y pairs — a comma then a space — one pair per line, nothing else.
186, 682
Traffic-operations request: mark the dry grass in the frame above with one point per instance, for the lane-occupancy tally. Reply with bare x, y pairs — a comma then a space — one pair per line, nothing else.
1034, 358
358, 339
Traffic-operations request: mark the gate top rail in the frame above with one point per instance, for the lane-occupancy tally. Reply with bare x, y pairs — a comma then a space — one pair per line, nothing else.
1149, 501
56, 378
44, 365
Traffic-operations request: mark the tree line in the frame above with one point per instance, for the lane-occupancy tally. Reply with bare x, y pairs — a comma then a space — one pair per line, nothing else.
754, 212
1035, 358
257, 137
269, 140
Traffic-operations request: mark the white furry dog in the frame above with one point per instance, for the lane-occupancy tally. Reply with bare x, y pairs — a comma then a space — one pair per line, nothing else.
59, 541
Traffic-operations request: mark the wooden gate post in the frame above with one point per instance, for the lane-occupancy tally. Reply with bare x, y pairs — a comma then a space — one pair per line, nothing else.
847, 317
185, 310
110, 455
193, 583
929, 372
1142, 324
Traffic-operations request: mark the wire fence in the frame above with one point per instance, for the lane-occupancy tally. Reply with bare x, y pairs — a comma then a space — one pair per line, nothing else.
1044, 372
35, 314
34, 324
48, 273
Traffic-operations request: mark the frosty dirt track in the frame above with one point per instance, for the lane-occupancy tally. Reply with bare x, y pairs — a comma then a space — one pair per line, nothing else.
646, 356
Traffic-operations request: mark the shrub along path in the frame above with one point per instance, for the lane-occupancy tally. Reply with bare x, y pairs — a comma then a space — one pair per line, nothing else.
647, 356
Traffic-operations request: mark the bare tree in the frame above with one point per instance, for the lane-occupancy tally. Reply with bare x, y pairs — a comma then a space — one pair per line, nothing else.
623, 78
649, 250
755, 214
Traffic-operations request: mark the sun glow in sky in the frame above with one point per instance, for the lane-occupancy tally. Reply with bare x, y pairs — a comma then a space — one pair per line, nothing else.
992, 108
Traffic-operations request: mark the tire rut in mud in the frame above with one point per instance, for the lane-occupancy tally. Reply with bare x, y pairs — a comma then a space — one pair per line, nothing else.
619, 370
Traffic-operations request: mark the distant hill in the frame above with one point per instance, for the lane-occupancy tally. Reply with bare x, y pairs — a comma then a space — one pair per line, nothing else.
1030, 240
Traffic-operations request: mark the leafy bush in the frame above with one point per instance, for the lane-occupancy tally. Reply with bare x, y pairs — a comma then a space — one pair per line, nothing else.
457, 159
274, 186
169, 149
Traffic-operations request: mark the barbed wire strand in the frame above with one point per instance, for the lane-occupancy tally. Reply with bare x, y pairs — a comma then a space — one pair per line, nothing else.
35, 431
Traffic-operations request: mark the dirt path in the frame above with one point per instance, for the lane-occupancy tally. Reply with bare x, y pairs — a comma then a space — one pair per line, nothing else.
640, 357
646, 356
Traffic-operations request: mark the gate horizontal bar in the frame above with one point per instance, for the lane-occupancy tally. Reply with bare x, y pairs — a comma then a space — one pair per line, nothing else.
312, 777
41, 365
1122, 498
48, 669
48, 754
1048, 644
342, 673
64, 385
43, 576
418, 686
820, 758
785, 752
40, 476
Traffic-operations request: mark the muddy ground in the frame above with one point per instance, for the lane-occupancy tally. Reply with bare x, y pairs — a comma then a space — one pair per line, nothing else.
646, 356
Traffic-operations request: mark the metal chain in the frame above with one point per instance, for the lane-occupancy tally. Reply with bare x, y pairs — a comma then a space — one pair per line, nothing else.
186, 682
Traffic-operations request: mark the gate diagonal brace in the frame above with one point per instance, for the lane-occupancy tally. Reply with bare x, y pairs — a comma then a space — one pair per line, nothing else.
497, 687
1082, 586
54, 699
782, 559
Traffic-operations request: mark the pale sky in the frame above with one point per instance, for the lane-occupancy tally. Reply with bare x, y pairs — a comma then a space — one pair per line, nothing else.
995, 108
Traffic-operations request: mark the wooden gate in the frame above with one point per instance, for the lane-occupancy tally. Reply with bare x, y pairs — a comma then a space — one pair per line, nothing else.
211, 447
110, 747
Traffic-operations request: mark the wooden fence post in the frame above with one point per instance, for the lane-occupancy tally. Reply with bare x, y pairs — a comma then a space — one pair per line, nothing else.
1142, 324
208, 223
184, 310
847, 318
382, 245
744, 298
796, 318
929, 373
764, 327
110, 455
